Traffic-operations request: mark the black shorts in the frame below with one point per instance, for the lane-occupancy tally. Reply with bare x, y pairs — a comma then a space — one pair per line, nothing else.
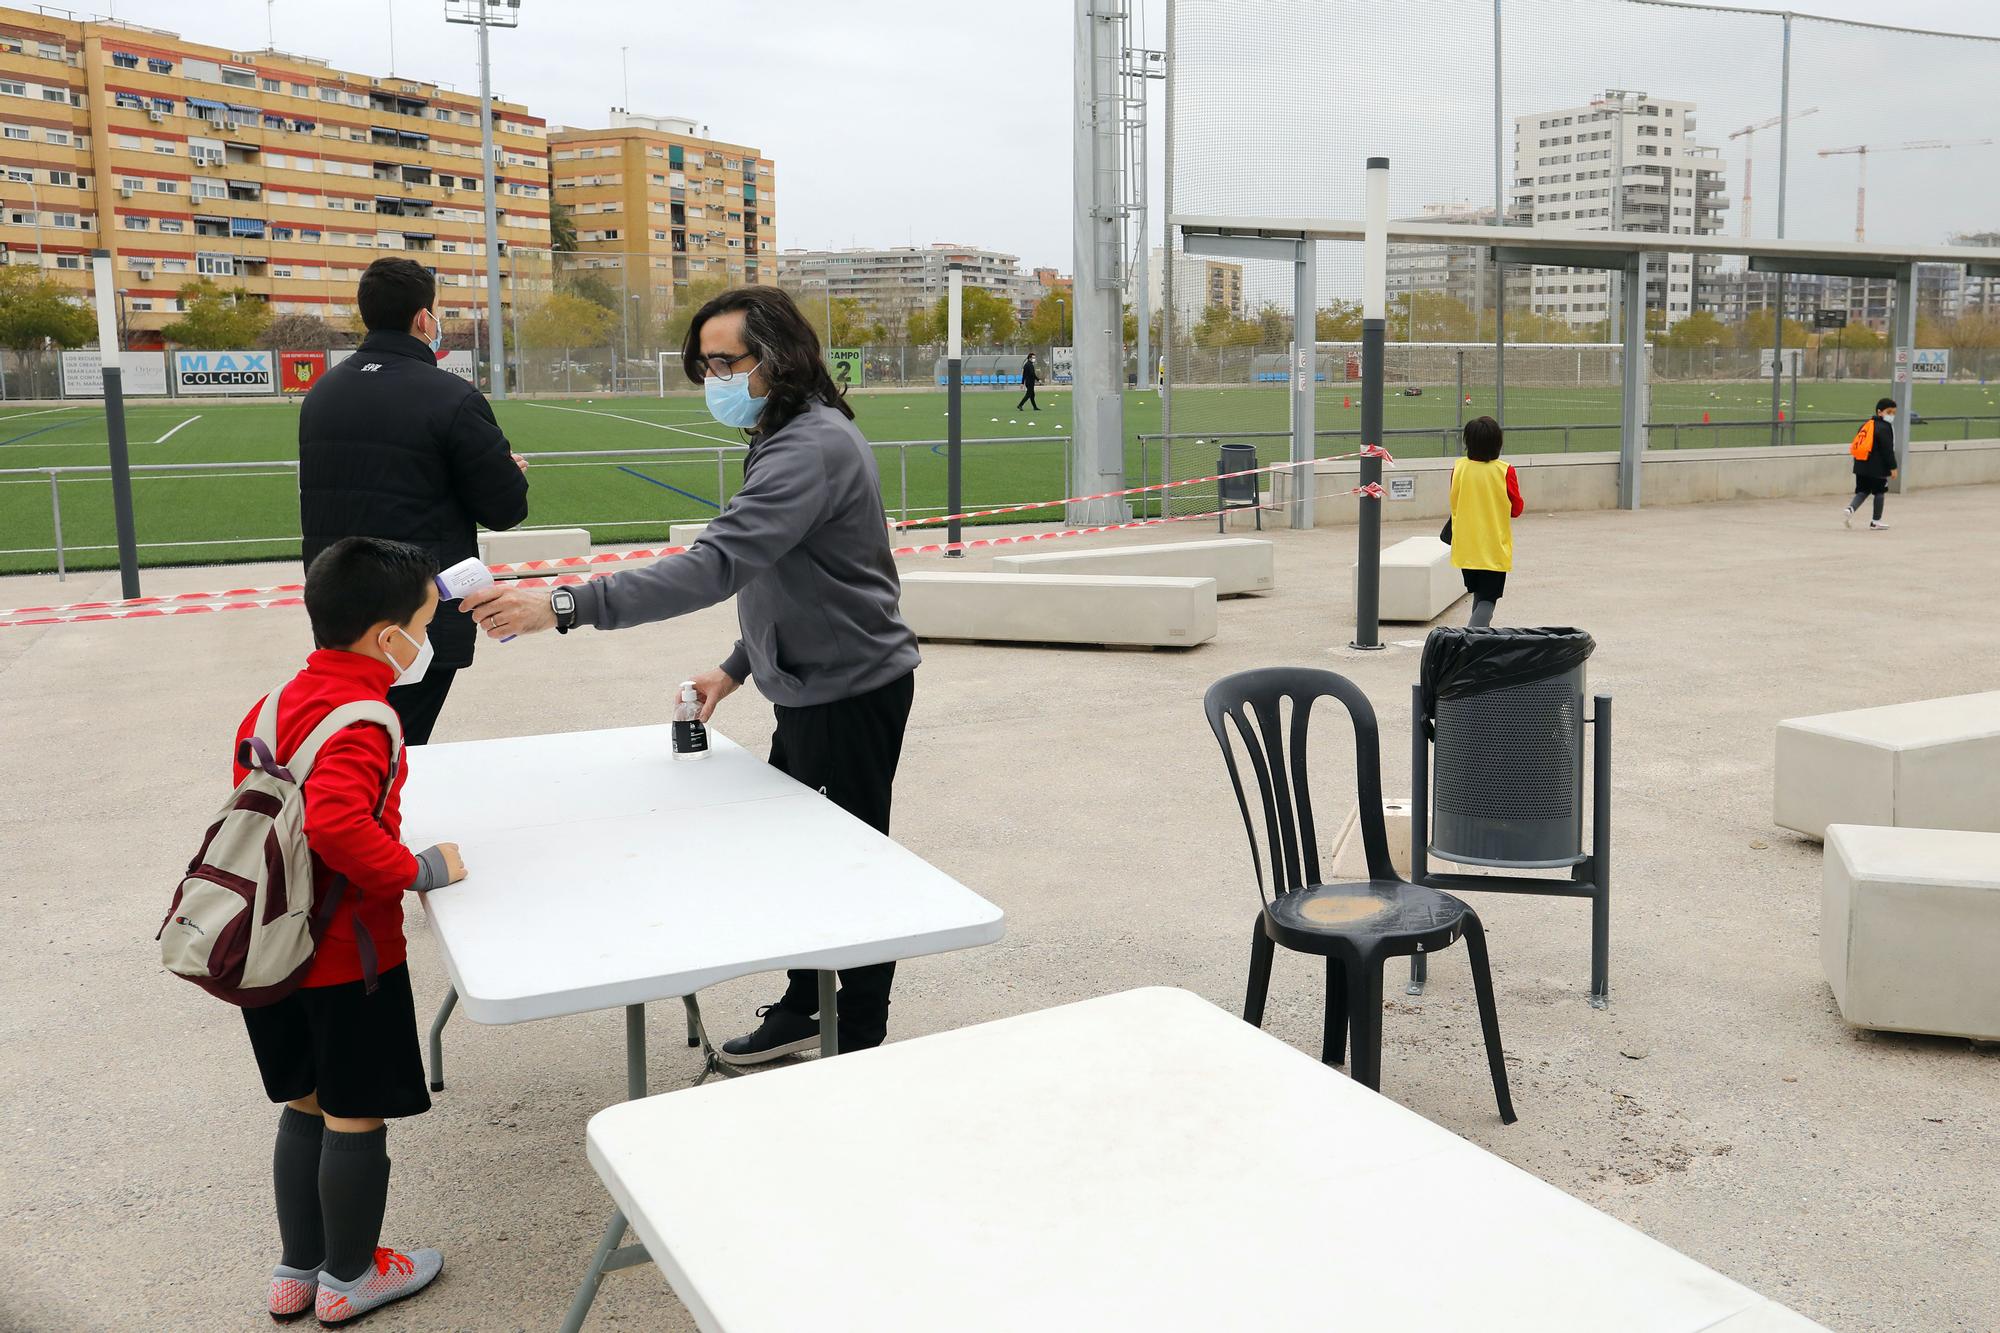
1485, 585
1871, 485
358, 1051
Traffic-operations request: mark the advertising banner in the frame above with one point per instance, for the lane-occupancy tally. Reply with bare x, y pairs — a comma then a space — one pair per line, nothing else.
83, 374
299, 371
245, 372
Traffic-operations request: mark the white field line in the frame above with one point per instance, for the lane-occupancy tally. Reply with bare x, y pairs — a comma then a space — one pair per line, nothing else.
637, 421
170, 434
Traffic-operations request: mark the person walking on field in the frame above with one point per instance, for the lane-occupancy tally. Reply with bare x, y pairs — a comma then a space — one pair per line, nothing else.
1485, 501
1029, 379
1874, 451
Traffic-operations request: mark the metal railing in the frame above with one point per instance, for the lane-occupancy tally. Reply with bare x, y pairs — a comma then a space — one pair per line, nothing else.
721, 453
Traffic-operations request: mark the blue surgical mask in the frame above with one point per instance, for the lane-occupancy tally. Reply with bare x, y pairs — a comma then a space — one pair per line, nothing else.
731, 402
437, 334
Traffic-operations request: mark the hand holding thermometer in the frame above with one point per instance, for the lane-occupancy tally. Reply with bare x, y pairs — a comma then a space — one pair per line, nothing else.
467, 576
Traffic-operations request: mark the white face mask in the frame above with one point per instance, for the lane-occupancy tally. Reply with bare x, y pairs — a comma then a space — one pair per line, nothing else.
414, 672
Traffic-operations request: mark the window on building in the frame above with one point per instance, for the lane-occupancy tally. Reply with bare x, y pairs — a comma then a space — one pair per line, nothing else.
329, 94
239, 78
167, 187
66, 221
13, 88
19, 174
131, 223
124, 60
218, 266
62, 178
271, 85
69, 261
55, 94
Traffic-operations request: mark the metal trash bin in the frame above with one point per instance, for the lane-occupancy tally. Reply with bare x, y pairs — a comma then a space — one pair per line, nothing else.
1237, 492
1507, 717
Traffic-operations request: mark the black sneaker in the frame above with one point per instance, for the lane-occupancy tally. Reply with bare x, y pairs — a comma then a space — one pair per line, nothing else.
782, 1033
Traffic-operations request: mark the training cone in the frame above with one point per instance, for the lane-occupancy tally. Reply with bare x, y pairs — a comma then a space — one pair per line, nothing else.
1781, 414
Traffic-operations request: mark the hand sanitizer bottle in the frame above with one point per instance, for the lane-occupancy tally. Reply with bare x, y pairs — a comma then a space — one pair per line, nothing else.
690, 735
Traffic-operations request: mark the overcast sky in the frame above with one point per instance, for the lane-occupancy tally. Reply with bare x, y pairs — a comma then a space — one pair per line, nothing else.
898, 121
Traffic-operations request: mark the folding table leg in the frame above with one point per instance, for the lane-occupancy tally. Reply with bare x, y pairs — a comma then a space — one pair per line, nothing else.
608, 1257
1420, 971
829, 1019
437, 1037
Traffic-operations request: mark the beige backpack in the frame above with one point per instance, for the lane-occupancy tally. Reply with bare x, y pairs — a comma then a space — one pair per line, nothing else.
248, 915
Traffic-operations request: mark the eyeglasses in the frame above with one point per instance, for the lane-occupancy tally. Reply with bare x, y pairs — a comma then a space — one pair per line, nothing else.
722, 366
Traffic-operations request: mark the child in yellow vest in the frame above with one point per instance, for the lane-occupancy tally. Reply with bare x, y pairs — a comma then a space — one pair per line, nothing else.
1485, 500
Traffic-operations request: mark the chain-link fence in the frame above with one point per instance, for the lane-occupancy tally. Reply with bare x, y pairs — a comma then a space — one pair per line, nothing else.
1643, 115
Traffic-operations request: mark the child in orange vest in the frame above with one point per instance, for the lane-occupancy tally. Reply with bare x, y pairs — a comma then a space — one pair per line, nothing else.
1485, 500
1874, 469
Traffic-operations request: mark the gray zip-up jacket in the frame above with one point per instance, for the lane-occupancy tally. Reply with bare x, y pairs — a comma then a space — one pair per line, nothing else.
804, 549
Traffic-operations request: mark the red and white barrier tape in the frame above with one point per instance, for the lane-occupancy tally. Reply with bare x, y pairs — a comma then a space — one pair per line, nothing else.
1366, 451
571, 570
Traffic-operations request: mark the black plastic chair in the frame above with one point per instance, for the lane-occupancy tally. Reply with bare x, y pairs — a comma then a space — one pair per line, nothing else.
1356, 927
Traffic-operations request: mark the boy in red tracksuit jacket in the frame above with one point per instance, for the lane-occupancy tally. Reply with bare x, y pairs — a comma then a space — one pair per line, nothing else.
341, 1051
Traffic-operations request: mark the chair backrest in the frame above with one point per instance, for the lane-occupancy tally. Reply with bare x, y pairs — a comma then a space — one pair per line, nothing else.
1252, 701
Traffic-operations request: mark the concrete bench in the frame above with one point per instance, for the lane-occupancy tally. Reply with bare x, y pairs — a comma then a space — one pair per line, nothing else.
1418, 581
1934, 763
1110, 609
524, 544
1909, 929
1237, 564
684, 534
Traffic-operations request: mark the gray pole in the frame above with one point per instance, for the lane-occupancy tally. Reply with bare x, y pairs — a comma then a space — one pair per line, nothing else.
1374, 332
954, 423
1167, 274
1460, 396
1905, 388
1305, 386
1141, 259
114, 421
1631, 433
1778, 288
489, 186
1097, 446
1499, 220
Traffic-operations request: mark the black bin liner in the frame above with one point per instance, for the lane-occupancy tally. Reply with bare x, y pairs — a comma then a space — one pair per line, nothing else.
1235, 490
1506, 714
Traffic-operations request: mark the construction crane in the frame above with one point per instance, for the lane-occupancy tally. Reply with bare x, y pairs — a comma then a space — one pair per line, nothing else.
1749, 159
1862, 150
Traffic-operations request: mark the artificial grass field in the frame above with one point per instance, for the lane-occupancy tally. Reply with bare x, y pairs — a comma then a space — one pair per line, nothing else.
187, 517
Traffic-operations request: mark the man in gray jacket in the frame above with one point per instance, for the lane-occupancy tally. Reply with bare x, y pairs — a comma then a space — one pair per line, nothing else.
804, 549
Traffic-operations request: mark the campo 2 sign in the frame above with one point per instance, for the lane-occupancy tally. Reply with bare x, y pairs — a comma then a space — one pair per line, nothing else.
224, 372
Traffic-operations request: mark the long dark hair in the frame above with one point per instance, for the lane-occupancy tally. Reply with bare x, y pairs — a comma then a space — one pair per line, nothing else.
786, 348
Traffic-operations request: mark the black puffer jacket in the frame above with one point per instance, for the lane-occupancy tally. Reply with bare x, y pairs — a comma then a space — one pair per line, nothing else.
1881, 460
390, 445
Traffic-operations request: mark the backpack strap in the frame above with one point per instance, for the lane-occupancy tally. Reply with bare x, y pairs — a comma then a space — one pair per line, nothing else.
259, 749
347, 715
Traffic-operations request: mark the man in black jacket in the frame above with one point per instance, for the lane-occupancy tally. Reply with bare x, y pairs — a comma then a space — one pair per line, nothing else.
1873, 472
391, 445
1029, 379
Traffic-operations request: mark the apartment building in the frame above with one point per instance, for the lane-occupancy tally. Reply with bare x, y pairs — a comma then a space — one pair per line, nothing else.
1624, 161
271, 172
1198, 284
658, 204
894, 282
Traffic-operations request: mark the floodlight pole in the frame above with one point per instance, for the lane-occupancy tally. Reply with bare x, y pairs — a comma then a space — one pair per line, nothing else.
1374, 331
479, 13
114, 421
954, 420
1778, 279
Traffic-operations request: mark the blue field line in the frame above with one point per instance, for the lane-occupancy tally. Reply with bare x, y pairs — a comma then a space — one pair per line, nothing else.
698, 499
43, 431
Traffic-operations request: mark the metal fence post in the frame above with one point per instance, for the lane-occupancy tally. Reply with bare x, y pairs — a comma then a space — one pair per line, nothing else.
55, 512
721, 481
903, 467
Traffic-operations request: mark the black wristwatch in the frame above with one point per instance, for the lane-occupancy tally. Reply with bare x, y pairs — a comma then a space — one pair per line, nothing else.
563, 602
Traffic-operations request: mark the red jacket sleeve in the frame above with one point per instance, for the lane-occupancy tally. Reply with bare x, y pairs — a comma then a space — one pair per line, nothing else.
1514, 492
341, 792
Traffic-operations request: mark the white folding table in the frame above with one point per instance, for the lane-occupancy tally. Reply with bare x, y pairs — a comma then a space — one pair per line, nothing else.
603, 873
1143, 1161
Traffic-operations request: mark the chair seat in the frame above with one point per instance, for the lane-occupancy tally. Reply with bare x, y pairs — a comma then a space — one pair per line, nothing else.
1387, 917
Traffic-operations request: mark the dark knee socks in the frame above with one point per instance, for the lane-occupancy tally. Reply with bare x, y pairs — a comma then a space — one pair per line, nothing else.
353, 1192
1482, 613
295, 1176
